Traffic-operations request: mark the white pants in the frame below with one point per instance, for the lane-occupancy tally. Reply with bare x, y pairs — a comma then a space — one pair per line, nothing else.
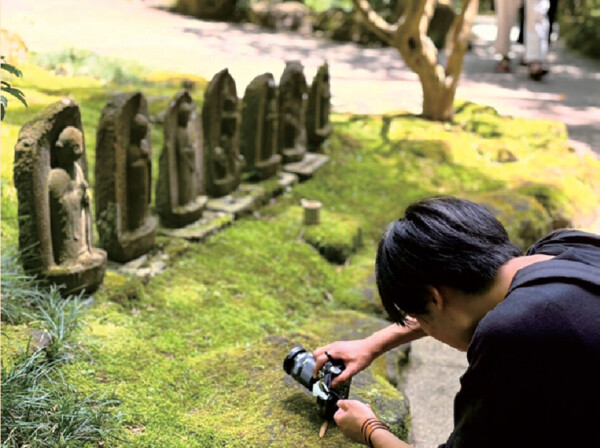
537, 27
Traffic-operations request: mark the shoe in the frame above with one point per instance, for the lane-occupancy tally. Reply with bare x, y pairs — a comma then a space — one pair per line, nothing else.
537, 71
503, 66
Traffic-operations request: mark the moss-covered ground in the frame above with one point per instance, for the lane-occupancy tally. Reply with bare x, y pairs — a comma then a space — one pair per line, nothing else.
194, 354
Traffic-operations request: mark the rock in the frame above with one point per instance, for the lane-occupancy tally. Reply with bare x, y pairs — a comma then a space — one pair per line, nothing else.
524, 218
286, 16
208, 9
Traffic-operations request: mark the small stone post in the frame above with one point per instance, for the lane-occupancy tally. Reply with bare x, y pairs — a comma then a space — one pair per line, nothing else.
312, 211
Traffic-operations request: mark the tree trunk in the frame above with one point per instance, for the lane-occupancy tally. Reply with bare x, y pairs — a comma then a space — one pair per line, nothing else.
438, 102
409, 36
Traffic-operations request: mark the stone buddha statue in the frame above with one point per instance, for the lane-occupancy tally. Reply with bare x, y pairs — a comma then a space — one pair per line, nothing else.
220, 118
292, 132
124, 178
55, 229
180, 188
318, 126
259, 127
70, 214
139, 173
187, 176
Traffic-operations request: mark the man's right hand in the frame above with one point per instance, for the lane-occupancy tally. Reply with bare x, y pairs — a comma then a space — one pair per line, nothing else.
356, 355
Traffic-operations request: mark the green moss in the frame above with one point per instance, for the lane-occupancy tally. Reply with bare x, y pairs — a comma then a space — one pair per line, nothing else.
195, 353
336, 237
16, 341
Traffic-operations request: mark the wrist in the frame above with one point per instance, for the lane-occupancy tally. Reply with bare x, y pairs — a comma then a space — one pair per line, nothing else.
371, 426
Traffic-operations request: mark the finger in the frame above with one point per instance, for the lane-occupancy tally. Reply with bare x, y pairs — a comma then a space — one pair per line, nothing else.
338, 416
343, 377
343, 404
319, 362
321, 350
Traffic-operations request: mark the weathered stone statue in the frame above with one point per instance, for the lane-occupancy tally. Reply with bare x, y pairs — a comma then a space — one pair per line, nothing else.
180, 198
292, 133
55, 219
258, 129
318, 126
124, 178
221, 136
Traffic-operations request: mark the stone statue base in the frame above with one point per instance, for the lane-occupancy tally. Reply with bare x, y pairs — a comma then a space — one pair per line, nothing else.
124, 246
307, 166
267, 168
292, 155
320, 136
136, 243
84, 275
242, 201
249, 196
211, 222
184, 215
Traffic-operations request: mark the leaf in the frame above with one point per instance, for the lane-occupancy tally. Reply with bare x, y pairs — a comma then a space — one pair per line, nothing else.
17, 94
12, 69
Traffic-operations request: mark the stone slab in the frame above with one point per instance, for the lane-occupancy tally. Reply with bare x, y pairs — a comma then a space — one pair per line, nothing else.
307, 167
212, 221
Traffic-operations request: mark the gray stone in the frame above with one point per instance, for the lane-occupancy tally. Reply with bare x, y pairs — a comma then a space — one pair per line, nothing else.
220, 118
292, 131
307, 167
259, 127
211, 222
318, 126
180, 188
55, 225
124, 178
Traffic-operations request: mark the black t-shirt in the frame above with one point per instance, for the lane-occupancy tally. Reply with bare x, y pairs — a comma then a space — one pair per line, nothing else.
534, 361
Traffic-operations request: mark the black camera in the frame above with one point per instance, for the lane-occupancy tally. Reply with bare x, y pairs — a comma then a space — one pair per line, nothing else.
300, 364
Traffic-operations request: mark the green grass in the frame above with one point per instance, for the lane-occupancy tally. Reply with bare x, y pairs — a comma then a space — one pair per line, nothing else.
194, 355
40, 408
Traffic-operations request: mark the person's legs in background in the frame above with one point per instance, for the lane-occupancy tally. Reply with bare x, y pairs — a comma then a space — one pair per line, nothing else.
536, 36
506, 13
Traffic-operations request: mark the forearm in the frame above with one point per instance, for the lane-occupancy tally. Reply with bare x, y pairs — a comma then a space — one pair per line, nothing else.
394, 335
385, 439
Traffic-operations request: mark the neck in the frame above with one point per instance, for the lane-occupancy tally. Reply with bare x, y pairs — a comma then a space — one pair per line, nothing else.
486, 302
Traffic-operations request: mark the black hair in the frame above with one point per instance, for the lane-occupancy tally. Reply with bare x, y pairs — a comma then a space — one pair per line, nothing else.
440, 241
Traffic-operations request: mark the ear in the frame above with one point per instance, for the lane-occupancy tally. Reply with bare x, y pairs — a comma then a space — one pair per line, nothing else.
438, 300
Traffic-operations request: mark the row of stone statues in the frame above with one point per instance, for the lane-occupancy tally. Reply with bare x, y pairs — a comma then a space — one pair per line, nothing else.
202, 156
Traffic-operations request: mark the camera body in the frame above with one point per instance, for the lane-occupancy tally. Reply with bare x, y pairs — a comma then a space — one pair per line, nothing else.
299, 364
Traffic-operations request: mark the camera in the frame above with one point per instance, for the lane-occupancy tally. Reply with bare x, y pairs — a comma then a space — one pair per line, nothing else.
300, 364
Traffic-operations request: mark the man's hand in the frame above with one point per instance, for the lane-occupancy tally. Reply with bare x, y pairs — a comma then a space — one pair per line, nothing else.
356, 355
350, 416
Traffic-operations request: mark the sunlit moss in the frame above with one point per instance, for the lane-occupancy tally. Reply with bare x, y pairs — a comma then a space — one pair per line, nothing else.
194, 354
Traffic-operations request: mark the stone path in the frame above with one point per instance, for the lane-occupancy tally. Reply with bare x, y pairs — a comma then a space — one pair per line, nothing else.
364, 80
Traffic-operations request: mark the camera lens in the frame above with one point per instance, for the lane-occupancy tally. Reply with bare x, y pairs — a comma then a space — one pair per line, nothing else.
300, 364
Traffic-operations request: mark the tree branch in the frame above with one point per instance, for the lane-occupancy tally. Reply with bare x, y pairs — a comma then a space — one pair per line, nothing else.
459, 41
375, 22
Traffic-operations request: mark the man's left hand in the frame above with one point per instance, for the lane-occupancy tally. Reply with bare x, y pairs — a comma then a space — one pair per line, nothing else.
350, 416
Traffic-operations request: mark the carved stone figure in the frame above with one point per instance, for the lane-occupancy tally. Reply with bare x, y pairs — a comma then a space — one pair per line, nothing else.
258, 129
180, 198
55, 219
124, 178
221, 136
318, 126
292, 133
